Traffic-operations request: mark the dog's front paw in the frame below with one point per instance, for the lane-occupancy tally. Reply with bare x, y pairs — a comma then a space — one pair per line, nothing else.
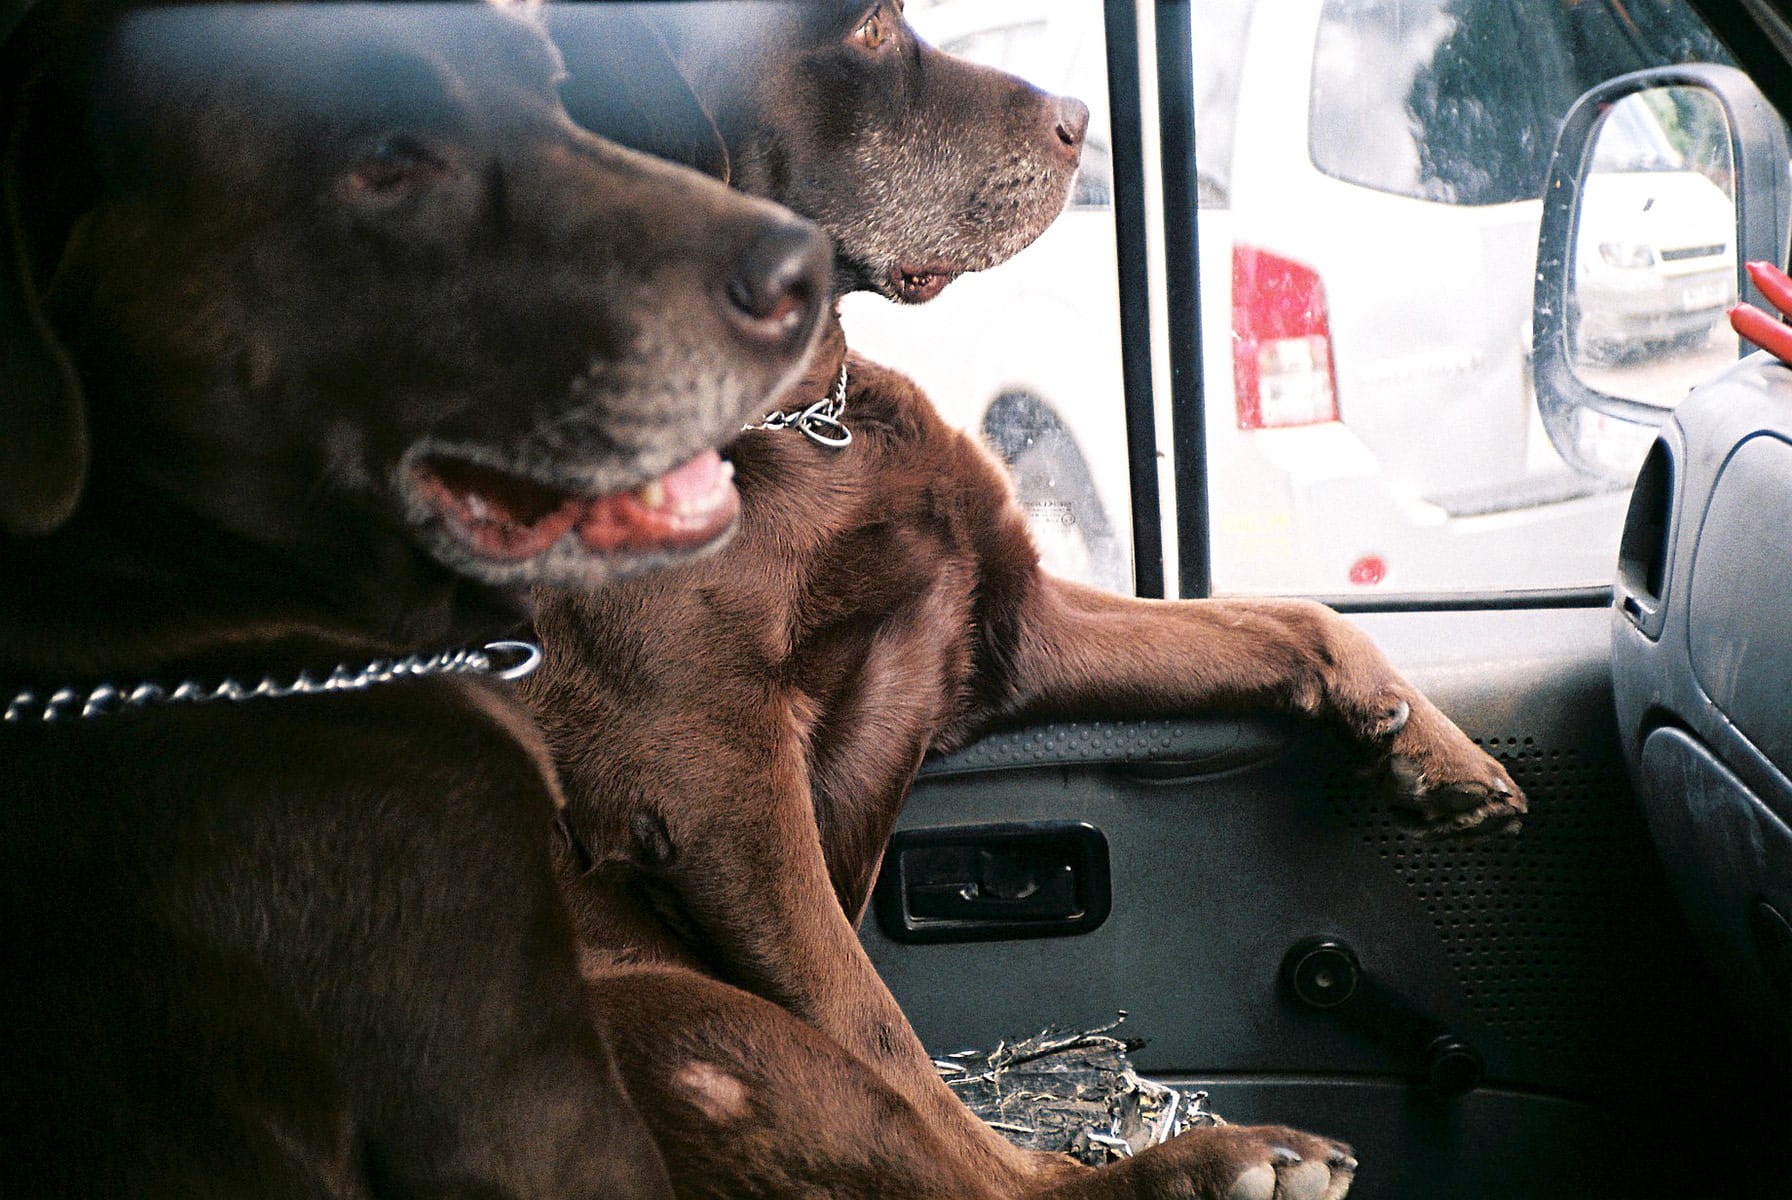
1243, 1162
1442, 783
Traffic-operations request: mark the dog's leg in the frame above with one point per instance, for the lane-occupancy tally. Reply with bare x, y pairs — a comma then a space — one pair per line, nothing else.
745, 1100
757, 894
1077, 650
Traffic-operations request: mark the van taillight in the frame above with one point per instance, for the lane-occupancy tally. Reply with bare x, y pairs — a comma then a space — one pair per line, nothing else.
1281, 343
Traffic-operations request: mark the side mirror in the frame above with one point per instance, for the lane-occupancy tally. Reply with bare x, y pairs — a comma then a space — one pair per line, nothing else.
1663, 183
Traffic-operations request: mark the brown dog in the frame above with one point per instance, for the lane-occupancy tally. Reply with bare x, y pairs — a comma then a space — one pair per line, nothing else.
736, 737
324, 329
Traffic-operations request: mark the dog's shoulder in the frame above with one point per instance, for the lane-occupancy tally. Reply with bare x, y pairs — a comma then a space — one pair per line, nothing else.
301, 763
883, 397
959, 480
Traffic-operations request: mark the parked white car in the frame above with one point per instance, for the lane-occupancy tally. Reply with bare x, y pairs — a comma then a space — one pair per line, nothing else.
1658, 267
1367, 255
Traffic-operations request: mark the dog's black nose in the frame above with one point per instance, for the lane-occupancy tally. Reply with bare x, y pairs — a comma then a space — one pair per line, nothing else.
1073, 123
779, 283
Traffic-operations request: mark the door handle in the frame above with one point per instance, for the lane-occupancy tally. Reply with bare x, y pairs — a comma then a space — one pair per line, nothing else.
985, 882
1003, 885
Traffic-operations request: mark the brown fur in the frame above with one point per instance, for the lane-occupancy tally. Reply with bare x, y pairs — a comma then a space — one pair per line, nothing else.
737, 736
313, 946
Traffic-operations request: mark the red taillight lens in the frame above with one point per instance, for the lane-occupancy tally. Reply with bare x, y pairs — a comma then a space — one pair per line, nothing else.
1281, 342
1369, 570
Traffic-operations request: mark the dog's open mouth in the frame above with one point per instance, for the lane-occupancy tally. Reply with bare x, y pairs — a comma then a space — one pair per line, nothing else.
507, 518
918, 285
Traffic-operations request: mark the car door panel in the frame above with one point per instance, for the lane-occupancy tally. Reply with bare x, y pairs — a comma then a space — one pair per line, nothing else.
1555, 954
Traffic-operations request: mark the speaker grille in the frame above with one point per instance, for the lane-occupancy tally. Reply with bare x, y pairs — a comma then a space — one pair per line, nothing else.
1560, 936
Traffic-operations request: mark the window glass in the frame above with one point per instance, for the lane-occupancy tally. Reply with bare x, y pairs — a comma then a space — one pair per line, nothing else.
1217, 56
1464, 112
1027, 355
1373, 428
1466, 108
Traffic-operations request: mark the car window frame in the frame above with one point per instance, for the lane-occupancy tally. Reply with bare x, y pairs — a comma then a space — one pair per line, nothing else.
1127, 157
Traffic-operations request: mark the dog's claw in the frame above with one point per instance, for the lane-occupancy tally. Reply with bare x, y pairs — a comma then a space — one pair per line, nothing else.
1509, 795
1461, 799
1441, 784
1492, 818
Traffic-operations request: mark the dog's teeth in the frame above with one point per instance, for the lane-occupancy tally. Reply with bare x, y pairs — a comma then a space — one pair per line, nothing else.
652, 495
727, 470
477, 508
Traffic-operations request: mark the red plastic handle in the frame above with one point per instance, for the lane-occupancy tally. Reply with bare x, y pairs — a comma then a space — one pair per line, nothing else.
1761, 328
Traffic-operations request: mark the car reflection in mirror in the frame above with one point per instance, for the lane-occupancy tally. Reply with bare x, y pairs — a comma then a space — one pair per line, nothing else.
1655, 248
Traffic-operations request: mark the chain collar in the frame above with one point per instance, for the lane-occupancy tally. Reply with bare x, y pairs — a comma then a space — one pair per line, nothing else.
69, 703
821, 422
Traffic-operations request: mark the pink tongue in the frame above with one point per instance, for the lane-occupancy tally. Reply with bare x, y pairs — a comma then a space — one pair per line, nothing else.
695, 479
697, 505
508, 519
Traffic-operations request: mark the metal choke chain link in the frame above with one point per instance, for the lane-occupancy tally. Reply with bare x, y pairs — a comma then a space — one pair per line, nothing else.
822, 422
507, 660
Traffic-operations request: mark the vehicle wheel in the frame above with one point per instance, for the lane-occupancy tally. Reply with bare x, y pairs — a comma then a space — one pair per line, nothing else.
1053, 482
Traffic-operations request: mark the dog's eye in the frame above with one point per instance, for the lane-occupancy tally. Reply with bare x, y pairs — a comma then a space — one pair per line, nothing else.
874, 30
397, 165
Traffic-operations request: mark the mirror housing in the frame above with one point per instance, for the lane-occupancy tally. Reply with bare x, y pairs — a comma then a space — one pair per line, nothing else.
1763, 197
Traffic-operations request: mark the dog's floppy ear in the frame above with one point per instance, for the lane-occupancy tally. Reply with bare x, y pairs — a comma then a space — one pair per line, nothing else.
623, 83
43, 415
